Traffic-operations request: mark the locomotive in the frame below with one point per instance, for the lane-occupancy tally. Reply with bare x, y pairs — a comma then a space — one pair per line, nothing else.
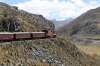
8, 36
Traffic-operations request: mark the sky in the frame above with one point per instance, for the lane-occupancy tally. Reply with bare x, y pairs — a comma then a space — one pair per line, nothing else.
55, 9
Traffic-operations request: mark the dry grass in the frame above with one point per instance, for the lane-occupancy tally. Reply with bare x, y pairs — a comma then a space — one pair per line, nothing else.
2, 56
26, 25
89, 49
98, 25
92, 50
60, 48
12, 52
67, 52
17, 54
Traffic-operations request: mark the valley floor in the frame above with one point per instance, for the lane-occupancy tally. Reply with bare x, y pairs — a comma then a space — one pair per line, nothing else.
89, 49
90, 46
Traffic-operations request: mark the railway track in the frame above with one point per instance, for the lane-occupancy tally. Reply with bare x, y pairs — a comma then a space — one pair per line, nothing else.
19, 41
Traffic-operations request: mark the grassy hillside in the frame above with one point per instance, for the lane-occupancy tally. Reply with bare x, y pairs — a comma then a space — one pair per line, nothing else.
45, 52
28, 21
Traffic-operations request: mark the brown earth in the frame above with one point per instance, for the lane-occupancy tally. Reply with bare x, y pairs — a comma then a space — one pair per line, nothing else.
44, 52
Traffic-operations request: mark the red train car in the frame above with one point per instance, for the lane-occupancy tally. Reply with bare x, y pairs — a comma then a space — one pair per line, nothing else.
6, 36
38, 34
22, 35
50, 33
54, 33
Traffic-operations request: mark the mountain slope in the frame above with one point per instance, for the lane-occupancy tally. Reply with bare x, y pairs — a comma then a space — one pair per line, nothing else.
44, 52
87, 24
11, 16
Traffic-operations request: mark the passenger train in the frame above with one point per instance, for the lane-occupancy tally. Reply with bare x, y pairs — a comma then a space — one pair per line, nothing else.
8, 36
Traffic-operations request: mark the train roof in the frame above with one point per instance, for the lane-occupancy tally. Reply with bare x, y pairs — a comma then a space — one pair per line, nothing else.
6, 33
20, 32
27, 32
37, 32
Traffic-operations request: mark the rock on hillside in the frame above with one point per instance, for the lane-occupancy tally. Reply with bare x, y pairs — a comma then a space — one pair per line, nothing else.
19, 20
44, 52
87, 24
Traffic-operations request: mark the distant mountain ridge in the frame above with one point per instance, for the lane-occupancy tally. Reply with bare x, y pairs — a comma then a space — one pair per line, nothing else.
61, 22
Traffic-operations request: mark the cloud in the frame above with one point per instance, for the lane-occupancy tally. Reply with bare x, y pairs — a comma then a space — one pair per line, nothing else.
56, 9
1, 0
78, 3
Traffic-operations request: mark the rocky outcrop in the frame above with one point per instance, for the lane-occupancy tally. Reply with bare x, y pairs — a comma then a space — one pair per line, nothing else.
27, 21
44, 52
11, 25
86, 27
